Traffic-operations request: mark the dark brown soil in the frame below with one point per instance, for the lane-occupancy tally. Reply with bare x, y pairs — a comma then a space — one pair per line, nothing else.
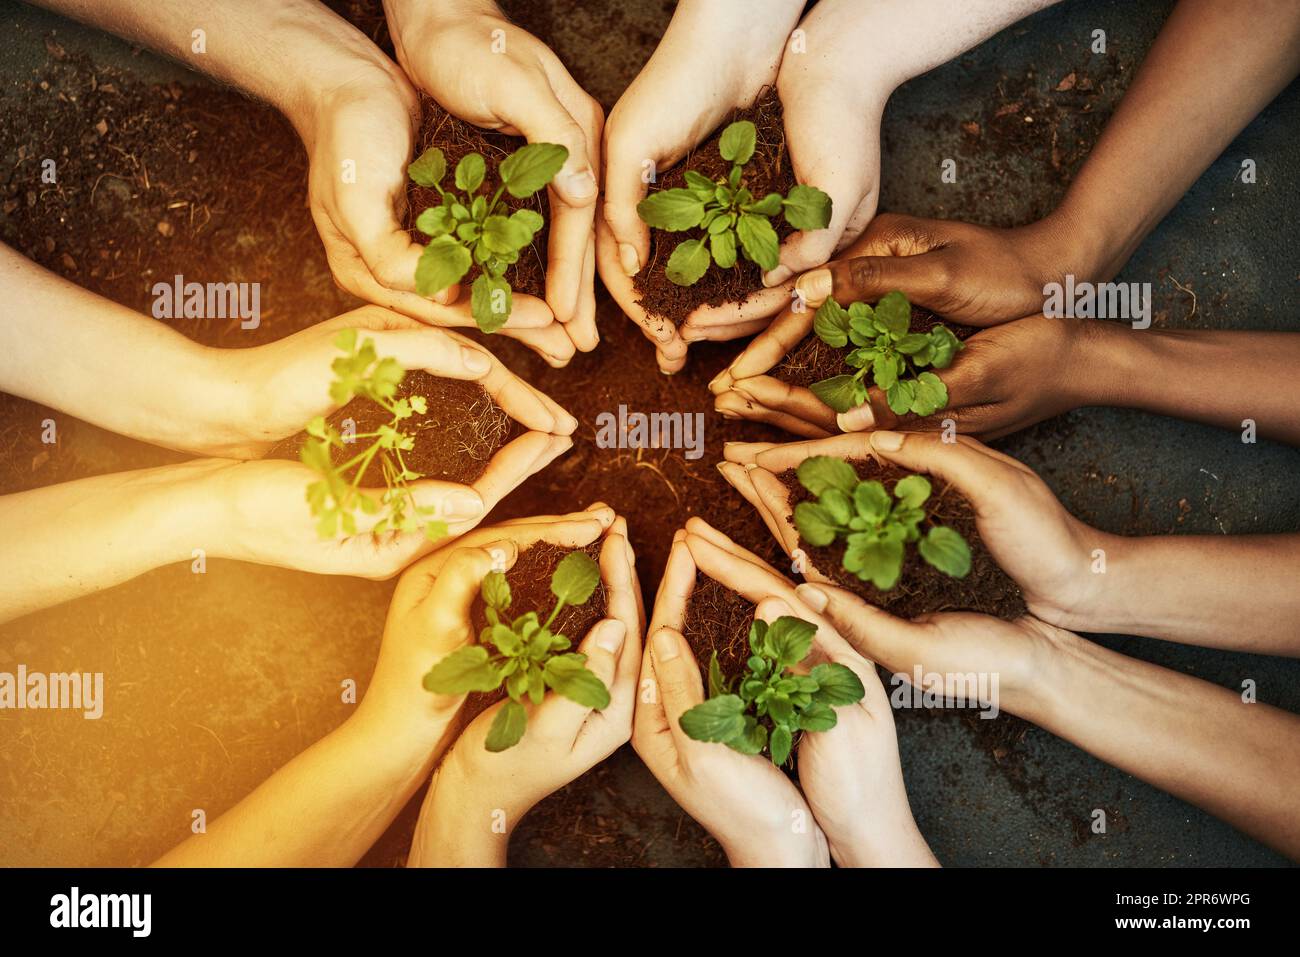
454, 439
717, 619
768, 171
457, 139
922, 589
530, 590
813, 360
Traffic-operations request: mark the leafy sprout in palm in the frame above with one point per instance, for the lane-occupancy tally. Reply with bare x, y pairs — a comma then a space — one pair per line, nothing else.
732, 218
337, 496
885, 352
524, 653
467, 228
767, 705
875, 524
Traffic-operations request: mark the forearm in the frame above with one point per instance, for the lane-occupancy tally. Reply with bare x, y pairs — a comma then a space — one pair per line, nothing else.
84, 355
1220, 591
1173, 121
288, 53
325, 808
67, 540
1224, 378
456, 830
1199, 742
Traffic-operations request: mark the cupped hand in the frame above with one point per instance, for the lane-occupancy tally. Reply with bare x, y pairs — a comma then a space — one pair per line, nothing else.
1046, 550
562, 741
751, 808
684, 92
485, 70
285, 384
1007, 378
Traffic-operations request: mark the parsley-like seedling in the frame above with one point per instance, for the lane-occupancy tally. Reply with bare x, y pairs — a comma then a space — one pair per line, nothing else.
885, 353
728, 213
875, 525
470, 229
337, 496
769, 703
524, 653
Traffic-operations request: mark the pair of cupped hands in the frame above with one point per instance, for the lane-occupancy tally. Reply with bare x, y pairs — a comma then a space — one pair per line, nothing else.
850, 804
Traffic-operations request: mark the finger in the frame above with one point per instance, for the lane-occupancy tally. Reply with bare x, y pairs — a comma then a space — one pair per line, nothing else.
675, 588
924, 278
552, 343
964, 463
768, 348
736, 330
629, 236
758, 304
566, 257
734, 405
677, 679
561, 717
743, 453
522, 402
877, 635
740, 571
536, 112
581, 328
435, 352
774, 500
444, 501
621, 602
792, 399
737, 477
789, 455
511, 465
858, 222
446, 608
658, 330
875, 413
577, 531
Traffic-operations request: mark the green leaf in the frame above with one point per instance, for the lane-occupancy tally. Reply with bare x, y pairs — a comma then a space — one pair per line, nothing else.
469, 172
913, 490
718, 719
688, 262
929, 394
491, 300
836, 684
717, 683
900, 396
737, 142
759, 240
723, 246
895, 313
871, 501
495, 591
752, 740
884, 369
569, 675
531, 167
779, 744
671, 209
946, 550
700, 185
462, 671
817, 717
838, 505
506, 235
428, 168
507, 727
790, 639
434, 222
443, 263
769, 205
757, 638
831, 324
815, 524
575, 578
840, 392
807, 207
945, 346
820, 472
877, 562
529, 219
912, 344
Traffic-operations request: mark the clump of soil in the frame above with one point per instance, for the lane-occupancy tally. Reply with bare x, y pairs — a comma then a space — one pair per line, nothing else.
813, 360
768, 171
454, 439
457, 139
922, 588
530, 590
717, 619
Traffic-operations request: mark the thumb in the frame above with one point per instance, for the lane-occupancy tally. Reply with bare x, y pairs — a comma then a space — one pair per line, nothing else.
877, 635
924, 277
538, 114
446, 608
967, 464
677, 676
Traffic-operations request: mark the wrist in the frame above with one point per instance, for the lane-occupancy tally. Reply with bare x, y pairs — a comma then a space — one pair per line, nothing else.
367, 75
456, 829
894, 845
785, 849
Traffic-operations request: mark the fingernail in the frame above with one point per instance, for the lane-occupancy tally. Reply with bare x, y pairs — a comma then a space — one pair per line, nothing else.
628, 259
815, 286
727, 414
857, 419
566, 423
777, 276
720, 383
463, 504
445, 296
610, 634
665, 645
503, 554
580, 185
812, 596
887, 441
474, 360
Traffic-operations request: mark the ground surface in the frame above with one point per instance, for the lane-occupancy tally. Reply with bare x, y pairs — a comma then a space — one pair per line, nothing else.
214, 681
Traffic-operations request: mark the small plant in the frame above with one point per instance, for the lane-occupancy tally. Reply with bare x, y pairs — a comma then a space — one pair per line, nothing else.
887, 353
335, 499
524, 653
770, 703
469, 229
875, 525
729, 214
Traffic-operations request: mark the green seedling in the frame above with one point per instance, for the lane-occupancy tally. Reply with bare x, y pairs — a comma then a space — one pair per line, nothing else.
469, 229
524, 653
876, 525
885, 352
337, 496
731, 217
768, 704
